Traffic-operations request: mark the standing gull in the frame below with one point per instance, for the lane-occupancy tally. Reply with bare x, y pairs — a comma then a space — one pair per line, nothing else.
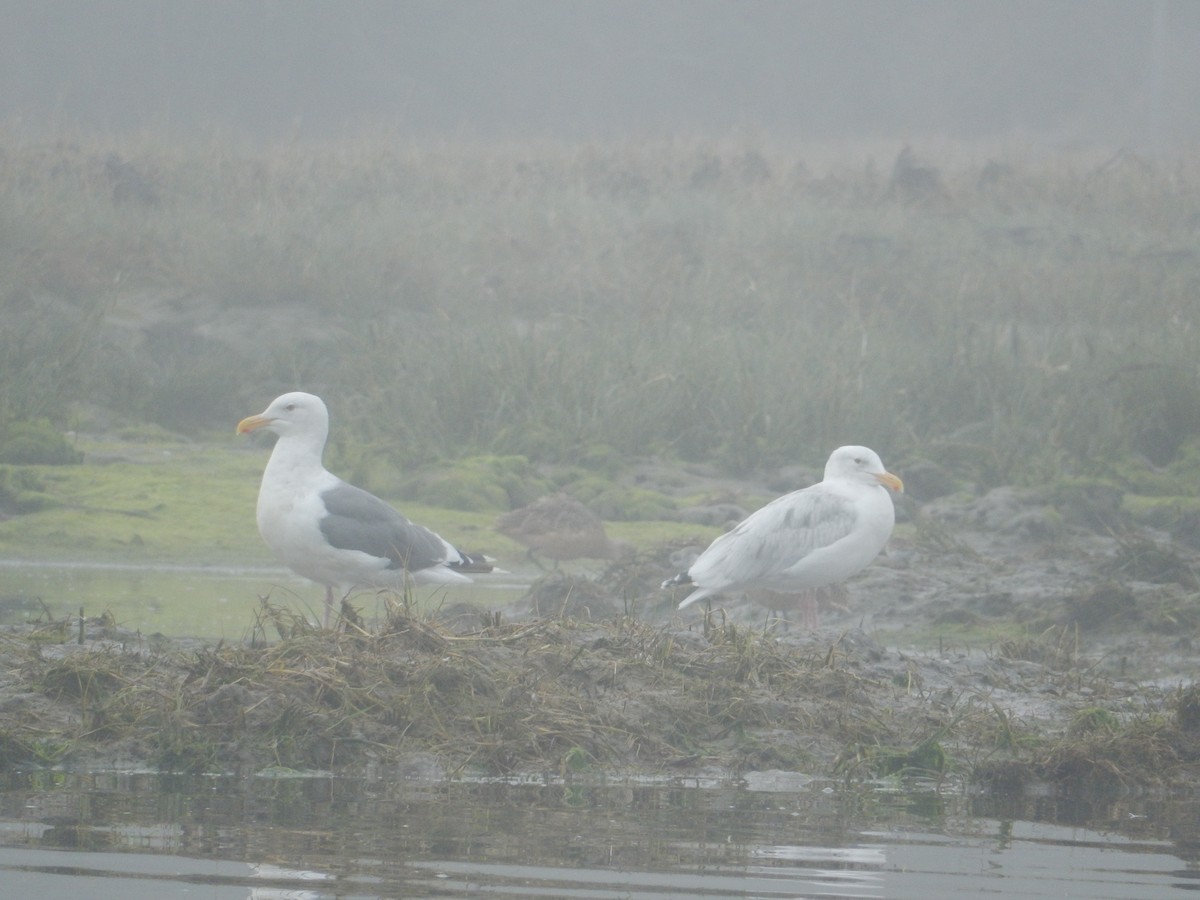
332, 532
816, 536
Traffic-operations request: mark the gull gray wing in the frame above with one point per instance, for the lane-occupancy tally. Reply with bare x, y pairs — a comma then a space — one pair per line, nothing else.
775, 539
357, 520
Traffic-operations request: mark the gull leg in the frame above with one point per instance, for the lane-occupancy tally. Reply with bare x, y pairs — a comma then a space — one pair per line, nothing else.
328, 606
810, 613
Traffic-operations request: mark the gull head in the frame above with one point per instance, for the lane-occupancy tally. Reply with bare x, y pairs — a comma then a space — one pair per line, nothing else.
862, 465
290, 414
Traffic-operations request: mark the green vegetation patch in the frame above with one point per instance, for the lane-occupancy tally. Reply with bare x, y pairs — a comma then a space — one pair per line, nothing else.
478, 483
22, 491
183, 503
622, 503
36, 443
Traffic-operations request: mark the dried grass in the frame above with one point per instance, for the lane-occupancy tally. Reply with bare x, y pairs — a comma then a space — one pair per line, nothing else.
544, 695
564, 696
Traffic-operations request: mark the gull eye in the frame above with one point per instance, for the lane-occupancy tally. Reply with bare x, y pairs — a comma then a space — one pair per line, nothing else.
290, 407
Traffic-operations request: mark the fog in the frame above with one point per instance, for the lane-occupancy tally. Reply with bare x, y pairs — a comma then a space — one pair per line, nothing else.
1115, 72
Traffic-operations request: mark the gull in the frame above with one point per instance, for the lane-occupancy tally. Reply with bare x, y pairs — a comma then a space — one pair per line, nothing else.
806, 539
332, 532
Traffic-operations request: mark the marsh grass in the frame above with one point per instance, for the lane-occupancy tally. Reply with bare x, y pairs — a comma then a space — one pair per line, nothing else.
1056, 648
728, 301
555, 695
1101, 752
552, 693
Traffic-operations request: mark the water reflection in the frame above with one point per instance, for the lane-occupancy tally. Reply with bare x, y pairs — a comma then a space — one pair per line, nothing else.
140, 835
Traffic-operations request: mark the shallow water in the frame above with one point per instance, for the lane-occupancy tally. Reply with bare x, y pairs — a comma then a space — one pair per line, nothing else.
134, 836
210, 602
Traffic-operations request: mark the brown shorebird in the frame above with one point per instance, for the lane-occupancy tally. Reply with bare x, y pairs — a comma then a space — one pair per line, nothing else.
560, 528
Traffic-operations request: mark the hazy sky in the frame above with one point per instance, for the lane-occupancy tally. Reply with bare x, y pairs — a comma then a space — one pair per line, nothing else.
1122, 72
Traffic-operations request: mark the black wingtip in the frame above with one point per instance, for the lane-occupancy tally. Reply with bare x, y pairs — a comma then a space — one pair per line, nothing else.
477, 564
680, 580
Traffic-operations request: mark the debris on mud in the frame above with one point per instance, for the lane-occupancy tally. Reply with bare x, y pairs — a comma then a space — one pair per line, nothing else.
561, 695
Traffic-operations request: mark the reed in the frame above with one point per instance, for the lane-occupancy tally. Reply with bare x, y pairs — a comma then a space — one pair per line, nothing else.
1017, 318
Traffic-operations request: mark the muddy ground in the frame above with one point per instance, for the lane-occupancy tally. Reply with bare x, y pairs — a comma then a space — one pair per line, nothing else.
1056, 635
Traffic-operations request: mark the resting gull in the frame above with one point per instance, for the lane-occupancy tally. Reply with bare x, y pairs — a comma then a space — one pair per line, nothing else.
816, 536
332, 532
